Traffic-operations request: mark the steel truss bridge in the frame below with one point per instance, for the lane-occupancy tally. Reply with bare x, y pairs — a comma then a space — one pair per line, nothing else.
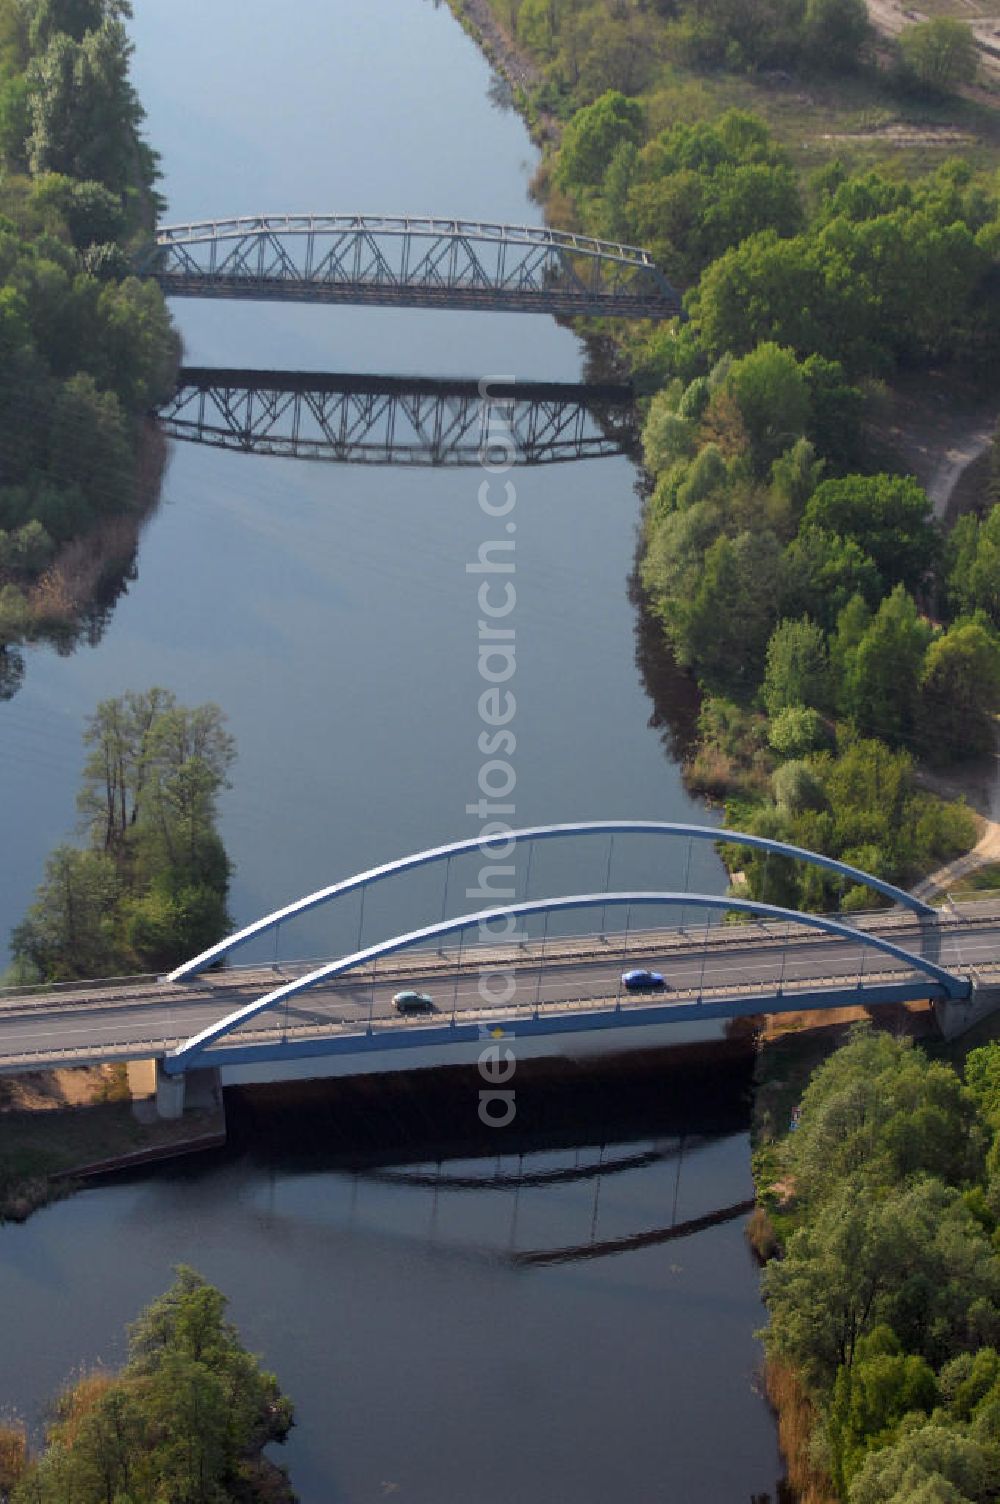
408, 262
397, 420
776, 960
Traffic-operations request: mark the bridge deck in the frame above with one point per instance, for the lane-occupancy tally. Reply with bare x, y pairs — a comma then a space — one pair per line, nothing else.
572, 983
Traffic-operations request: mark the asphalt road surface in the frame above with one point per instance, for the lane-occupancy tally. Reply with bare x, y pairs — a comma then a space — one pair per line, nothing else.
142, 1018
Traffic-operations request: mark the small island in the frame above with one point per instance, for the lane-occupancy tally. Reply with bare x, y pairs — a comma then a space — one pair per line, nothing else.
188, 1417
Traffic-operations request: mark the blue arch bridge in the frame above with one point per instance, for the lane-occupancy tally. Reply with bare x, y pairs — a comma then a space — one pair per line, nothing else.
504, 971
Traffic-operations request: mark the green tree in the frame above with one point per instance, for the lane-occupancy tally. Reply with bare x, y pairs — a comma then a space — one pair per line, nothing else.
726, 629
880, 685
871, 1398
592, 137
797, 672
888, 516
972, 562
835, 32
795, 731
179, 1423
940, 54
666, 436
960, 692
929, 1464
878, 1111
825, 572
773, 397
70, 929
84, 112
796, 788
911, 1259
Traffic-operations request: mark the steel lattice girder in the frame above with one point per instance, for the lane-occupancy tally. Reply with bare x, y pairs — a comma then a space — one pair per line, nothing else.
395, 420
410, 262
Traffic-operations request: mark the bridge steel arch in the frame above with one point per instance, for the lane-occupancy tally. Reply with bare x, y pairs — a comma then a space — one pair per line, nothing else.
434, 854
954, 987
408, 261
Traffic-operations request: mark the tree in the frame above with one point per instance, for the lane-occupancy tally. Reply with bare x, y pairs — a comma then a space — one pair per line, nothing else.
871, 1398
878, 1111
666, 436
593, 135
960, 692
879, 689
180, 1422
117, 773
835, 32
795, 474
795, 731
189, 755
796, 787
732, 614
84, 112
74, 18
889, 517
940, 54
972, 561
797, 672
911, 1259
929, 1464
772, 395
825, 572
70, 929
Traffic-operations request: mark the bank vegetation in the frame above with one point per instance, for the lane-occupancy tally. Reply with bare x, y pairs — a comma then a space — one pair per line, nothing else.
841, 640
187, 1418
87, 350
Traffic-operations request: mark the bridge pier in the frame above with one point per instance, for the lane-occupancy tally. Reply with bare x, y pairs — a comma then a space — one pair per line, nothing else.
957, 1016
169, 1093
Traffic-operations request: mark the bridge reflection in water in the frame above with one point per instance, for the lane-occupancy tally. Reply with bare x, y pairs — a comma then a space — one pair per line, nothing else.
514, 1175
398, 420
604, 1157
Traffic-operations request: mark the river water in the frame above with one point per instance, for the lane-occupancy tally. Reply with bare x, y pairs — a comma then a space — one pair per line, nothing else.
329, 612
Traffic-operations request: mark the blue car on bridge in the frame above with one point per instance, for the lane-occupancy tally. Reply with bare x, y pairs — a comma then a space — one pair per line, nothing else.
640, 980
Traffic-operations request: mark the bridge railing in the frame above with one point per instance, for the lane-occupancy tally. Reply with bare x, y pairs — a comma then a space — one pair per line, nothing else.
949, 984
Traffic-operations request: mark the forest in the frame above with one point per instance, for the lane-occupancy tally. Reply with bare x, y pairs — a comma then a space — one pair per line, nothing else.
884, 1341
86, 349
845, 643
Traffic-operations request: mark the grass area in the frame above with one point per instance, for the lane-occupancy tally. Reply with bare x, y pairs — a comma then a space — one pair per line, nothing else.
40, 1150
984, 880
861, 118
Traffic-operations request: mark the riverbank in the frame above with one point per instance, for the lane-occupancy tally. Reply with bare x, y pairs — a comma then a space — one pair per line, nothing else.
786, 1065
60, 1128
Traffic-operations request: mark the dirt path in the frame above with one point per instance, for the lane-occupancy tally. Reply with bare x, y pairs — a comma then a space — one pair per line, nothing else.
981, 786
984, 854
953, 463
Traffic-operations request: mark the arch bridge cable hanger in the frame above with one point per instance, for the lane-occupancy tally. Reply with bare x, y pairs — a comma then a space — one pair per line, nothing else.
660, 828
408, 261
185, 1055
